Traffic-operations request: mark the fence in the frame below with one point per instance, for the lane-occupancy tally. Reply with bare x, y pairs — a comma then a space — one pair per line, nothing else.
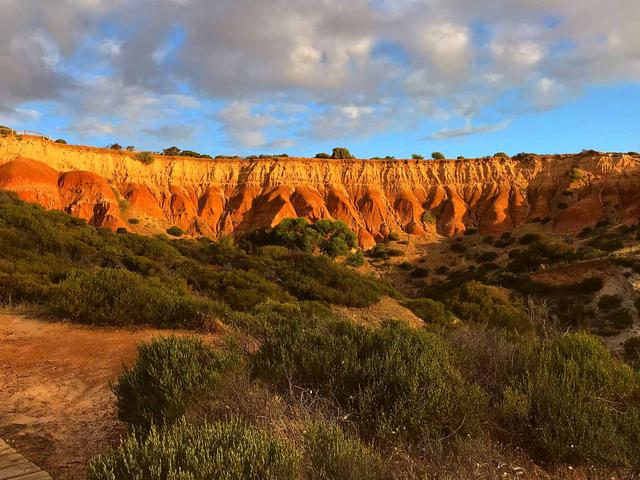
32, 134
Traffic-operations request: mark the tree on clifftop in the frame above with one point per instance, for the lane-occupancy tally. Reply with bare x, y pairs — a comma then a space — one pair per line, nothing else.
341, 153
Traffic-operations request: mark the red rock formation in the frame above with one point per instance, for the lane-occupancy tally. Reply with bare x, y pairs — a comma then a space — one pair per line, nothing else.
374, 198
32, 181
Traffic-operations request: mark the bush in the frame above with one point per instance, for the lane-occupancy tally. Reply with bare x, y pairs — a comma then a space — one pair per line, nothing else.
115, 146
341, 153
394, 381
170, 376
576, 403
430, 311
146, 158
419, 272
226, 451
609, 302
355, 259
175, 231
500, 155
61, 141
632, 351
429, 218
486, 305
487, 257
621, 319
330, 237
121, 298
437, 156
416, 156
335, 456
323, 155
133, 221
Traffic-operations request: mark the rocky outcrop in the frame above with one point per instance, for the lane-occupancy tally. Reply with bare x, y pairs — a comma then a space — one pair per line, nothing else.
374, 197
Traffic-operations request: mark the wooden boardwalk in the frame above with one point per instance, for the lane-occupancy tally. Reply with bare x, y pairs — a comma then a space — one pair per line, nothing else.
14, 466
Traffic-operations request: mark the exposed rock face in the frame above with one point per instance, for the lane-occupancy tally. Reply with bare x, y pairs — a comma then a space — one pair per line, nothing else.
375, 198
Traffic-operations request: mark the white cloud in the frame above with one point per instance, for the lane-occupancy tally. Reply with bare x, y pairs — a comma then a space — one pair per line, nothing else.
467, 130
366, 65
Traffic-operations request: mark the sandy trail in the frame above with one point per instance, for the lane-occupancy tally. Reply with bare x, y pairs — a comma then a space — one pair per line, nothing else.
55, 404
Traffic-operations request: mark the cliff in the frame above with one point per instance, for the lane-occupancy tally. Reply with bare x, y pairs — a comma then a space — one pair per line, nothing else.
374, 197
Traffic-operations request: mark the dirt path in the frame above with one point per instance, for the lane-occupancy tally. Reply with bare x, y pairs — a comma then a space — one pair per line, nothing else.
55, 402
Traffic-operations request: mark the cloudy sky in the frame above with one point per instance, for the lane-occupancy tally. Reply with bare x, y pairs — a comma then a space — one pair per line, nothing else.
383, 77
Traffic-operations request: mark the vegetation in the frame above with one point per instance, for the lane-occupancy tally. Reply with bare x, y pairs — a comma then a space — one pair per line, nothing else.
175, 231
170, 375
330, 237
394, 381
146, 158
429, 218
341, 153
576, 403
334, 455
323, 155
437, 156
61, 141
176, 152
417, 156
225, 450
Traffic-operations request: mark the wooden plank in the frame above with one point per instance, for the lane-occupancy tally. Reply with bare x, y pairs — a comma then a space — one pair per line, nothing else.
18, 471
14, 466
35, 476
10, 460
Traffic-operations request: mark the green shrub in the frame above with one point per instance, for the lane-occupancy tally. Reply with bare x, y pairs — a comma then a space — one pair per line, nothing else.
394, 381
323, 155
632, 351
175, 231
341, 153
576, 403
416, 156
224, 451
171, 375
146, 158
486, 305
621, 319
487, 257
430, 311
419, 272
429, 218
437, 156
609, 302
335, 456
61, 141
23, 287
500, 155
115, 146
330, 237
122, 298
355, 259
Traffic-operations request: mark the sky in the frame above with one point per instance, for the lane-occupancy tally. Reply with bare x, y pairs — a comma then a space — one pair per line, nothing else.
381, 77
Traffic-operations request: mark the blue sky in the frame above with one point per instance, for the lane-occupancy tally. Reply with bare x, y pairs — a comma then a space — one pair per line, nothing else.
384, 77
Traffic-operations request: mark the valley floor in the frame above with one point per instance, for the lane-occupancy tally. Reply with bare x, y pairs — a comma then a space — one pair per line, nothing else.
55, 403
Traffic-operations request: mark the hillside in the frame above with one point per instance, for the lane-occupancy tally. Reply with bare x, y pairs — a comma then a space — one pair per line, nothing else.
374, 197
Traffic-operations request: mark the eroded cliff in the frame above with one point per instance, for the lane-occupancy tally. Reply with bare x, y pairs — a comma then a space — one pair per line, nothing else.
374, 198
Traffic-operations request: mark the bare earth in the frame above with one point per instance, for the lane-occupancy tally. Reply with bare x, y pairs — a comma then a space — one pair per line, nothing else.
55, 404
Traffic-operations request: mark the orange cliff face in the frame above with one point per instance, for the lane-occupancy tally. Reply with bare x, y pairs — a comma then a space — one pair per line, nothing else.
375, 198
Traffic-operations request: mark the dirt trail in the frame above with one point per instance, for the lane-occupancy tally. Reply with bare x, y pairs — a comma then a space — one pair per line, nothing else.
55, 402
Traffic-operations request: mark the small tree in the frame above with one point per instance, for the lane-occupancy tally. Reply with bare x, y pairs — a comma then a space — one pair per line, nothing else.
145, 157
171, 151
130, 148
501, 155
175, 231
460, 157
341, 153
437, 156
417, 156
61, 141
115, 146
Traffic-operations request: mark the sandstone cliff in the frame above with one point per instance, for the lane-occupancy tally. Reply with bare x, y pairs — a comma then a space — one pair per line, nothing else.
375, 198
